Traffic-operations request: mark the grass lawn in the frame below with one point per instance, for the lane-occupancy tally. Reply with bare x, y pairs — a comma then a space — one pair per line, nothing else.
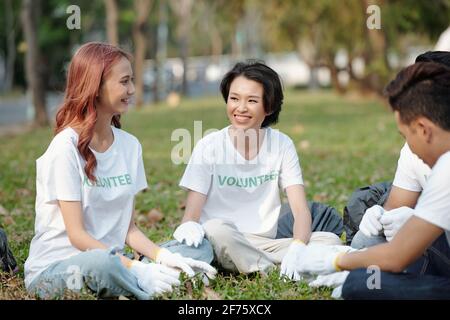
343, 143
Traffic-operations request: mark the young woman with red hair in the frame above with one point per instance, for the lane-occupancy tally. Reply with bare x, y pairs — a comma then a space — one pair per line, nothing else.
85, 187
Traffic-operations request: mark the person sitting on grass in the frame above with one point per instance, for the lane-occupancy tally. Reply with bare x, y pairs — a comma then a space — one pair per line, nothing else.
381, 210
234, 179
86, 182
420, 98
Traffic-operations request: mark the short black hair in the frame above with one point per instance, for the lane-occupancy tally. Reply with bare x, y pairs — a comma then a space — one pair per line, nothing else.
422, 89
258, 71
435, 56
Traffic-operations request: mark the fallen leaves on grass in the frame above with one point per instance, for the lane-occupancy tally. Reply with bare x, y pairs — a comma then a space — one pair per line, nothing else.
12, 288
182, 205
22, 193
3, 211
304, 145
154, 216
8, 220
151, 218
320, 197
210, 294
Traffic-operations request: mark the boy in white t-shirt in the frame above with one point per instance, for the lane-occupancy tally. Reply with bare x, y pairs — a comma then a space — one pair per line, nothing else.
420, 99
394, 205
235, 176
86, 182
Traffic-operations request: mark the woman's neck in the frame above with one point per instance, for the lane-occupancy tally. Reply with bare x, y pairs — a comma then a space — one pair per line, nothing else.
102, 128
103, 136
247, 142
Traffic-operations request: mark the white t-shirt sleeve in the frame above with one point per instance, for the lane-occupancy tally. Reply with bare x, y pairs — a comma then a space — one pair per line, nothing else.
405, 176
434, 203
141, 179
60, 176
198, 174
291, 172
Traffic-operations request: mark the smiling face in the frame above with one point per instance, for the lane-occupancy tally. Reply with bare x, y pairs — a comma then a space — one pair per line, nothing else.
245, 105
117, 88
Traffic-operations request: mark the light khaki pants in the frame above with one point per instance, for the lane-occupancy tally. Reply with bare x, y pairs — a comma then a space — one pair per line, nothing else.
245, 253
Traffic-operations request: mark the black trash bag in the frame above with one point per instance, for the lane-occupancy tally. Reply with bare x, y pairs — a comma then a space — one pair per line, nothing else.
359, 202
324, 218
7, 261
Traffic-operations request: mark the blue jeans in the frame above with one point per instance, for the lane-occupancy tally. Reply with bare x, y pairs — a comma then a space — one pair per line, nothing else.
361, 241
102, 272
427, 278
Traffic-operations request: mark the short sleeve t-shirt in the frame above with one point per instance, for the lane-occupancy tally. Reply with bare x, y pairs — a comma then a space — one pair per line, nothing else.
412, 173
107, 204
245, 192
434, 202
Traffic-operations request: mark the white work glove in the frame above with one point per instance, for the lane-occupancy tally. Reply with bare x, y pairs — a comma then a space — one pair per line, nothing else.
291, 259
394, 219
191, 232
188, 265
332, 280
154, 278
321, 259
370, 224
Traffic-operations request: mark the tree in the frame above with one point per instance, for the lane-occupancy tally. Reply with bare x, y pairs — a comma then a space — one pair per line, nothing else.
142, 9
29, 16
10, 45
111, 21
206, 14
313, 29
220, 22
183, 11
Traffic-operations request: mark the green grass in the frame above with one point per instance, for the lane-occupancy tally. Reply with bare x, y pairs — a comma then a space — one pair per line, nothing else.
343, 143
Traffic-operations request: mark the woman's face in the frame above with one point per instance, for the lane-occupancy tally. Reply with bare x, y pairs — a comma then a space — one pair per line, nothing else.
117, 88
245, 106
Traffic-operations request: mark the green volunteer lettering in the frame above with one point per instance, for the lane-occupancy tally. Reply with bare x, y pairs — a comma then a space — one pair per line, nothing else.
222, 180
122, 180
109, 182
247, 182
253, 182
231, 181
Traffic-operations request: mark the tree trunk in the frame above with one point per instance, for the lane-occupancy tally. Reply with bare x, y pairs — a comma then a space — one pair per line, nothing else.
11, 46
216, 43
308, 53
184, 46
376, 54
183, 9
159, 87
32, 61
111, 21
142, 9
334, 75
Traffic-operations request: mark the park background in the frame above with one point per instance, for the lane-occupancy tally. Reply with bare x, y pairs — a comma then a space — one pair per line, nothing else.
334, 58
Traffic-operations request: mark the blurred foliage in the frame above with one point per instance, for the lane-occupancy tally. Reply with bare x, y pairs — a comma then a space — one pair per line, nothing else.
315, 29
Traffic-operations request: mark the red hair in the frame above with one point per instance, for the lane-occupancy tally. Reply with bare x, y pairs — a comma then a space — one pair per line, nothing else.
88, 67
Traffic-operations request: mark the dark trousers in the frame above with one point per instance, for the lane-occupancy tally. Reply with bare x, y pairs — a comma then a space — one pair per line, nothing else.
427, 278
324, 218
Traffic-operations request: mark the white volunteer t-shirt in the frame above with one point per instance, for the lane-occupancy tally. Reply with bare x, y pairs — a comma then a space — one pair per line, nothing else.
107, 204
245, 192
412, 173
434, 202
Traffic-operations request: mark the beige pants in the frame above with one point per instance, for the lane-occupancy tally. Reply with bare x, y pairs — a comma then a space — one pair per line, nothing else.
245, 253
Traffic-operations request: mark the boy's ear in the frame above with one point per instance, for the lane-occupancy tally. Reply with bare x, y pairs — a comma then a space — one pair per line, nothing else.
425, 128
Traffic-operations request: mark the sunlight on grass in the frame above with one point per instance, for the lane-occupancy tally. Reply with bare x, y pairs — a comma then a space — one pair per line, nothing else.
343, 143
